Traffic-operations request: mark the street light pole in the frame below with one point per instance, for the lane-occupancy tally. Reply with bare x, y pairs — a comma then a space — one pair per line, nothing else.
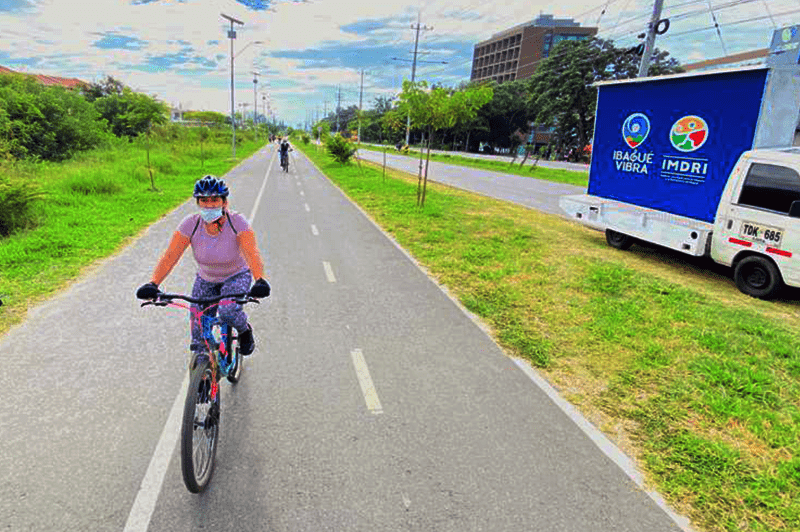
232, 36
255, 107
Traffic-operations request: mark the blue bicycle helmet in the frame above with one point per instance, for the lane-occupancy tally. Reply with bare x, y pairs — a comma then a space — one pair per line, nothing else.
210, 186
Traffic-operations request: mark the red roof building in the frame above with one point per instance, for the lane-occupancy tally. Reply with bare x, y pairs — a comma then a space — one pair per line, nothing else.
69, 83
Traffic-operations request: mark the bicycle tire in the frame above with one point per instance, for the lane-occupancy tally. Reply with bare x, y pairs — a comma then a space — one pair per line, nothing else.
199, 436
236, 371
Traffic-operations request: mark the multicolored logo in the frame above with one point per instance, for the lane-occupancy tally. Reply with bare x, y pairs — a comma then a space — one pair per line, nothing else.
635, 129
688, 133
788, 34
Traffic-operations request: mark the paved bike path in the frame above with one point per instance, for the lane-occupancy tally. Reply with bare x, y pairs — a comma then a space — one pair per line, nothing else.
463, 439
530, 192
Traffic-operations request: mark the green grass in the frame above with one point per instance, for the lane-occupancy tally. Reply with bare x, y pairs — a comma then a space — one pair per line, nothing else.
696, 381
540, 172
92, 206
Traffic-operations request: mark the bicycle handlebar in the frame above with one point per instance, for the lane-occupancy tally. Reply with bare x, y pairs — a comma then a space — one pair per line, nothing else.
163, 299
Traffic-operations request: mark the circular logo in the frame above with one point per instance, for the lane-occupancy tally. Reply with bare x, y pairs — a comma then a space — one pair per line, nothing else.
635, 129
688, 133
788, 33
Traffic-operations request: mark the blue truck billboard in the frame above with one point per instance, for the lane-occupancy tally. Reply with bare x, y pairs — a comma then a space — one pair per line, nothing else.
670, 144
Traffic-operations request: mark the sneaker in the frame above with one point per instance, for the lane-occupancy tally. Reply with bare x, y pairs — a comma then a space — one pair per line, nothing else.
246, 342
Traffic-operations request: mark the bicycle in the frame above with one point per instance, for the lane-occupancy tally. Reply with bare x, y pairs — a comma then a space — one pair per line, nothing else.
201, 409
285, 161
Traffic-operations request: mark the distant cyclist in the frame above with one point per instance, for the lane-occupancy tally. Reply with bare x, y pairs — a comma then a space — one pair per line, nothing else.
224, 247
285, 149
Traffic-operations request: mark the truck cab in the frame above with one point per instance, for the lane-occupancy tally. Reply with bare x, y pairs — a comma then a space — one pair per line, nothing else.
757, 225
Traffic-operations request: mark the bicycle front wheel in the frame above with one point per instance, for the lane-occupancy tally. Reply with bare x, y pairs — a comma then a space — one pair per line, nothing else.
200, 429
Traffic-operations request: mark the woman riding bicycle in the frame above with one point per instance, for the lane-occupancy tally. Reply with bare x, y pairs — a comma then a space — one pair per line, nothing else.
285, 148
224, 247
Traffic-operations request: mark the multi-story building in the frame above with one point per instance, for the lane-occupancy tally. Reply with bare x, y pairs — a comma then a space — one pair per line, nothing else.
514, 53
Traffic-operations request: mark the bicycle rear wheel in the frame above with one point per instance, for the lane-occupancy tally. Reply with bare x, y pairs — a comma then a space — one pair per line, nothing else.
200, 428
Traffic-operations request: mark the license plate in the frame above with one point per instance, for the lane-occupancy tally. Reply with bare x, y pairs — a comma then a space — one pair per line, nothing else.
770, 236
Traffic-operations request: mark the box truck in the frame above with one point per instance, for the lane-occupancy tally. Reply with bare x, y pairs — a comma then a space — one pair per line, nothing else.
704, 163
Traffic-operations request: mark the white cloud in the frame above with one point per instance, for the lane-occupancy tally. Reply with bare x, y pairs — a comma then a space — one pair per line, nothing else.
58, 37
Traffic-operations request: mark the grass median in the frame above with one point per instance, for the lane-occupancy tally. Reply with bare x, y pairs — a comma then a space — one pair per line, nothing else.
699, 383
91, 206
556, 175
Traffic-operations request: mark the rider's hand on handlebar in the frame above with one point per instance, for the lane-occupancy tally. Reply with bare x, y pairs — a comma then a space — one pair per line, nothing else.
260, 289
148, 291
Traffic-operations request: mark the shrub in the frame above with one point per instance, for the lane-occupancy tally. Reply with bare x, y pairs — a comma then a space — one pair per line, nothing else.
340, 149
96, 183
305, 138
48, 123
18, 199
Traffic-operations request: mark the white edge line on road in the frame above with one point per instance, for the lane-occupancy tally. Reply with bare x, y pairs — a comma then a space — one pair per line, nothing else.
314, 230
367, 387
603, 443
328, 272
608, 448
146, 498
263, 186
149, 489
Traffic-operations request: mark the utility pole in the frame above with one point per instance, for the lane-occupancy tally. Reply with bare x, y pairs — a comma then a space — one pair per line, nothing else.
232, 36
255, 104
644, 66
264, 111
338, 105
414, 68
360, 98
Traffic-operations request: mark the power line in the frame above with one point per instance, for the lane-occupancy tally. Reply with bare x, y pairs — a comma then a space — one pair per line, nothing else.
752, 19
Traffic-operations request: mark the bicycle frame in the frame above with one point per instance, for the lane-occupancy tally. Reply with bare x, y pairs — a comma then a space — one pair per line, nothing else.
216, 348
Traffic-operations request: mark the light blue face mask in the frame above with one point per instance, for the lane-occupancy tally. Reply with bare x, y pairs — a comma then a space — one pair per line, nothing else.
209, 215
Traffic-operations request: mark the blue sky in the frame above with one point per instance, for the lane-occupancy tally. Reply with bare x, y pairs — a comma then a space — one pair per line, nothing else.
179, 51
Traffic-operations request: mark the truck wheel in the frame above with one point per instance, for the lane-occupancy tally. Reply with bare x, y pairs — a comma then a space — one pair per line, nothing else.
618, 240
758, 277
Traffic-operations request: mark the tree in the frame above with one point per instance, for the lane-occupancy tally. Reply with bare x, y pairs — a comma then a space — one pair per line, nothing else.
49, 123
561, 91
507, 112
105, 87
131, 113
434, 109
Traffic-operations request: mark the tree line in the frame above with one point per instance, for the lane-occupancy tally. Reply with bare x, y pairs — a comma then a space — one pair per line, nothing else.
51, 123
559, 98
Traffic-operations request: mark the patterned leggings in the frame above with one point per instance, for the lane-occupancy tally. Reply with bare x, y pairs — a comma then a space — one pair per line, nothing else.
230, 313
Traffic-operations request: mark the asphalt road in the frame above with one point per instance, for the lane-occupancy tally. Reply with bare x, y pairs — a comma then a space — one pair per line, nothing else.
577, 167
453, 435
530, 192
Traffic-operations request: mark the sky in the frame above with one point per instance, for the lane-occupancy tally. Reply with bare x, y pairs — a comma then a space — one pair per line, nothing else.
309, 53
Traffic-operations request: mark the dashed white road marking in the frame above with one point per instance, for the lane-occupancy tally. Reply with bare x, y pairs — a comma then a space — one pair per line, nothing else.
328, 272
308, 209
367, 387
314, 230
302, 193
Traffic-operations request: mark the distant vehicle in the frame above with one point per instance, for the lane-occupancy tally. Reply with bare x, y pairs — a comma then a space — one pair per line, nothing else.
704, 163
